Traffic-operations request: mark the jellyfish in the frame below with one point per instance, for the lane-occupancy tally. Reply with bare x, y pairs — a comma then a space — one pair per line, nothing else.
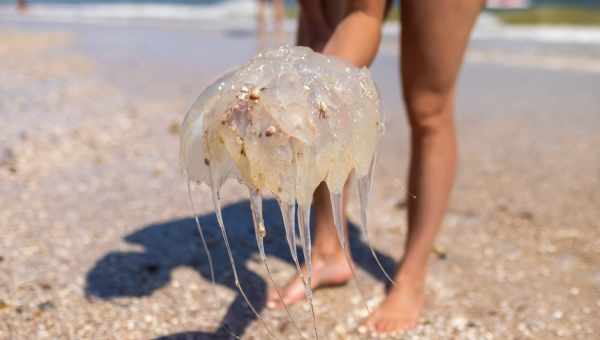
280, 125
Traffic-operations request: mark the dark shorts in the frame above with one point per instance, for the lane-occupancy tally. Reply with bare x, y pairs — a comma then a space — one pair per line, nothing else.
388, 7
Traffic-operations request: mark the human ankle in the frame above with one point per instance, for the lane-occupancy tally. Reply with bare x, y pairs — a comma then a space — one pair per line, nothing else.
327, 247
413, 278
327, 254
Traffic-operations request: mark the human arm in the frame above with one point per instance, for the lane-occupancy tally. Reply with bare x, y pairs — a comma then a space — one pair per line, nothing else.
353, 36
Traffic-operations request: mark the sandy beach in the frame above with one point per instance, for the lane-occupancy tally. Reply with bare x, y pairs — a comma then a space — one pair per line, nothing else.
98, 240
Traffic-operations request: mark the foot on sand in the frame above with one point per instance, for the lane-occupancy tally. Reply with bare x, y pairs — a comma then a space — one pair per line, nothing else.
330, 270
399, 311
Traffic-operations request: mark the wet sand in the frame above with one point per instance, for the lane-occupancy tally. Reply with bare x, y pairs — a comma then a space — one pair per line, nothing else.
98, 242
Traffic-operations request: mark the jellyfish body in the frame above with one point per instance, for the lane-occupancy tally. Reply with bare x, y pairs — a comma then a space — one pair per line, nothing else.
282, 124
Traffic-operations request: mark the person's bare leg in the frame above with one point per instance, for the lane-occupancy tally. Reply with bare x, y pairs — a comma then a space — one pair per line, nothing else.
22, 5
278, 18
434, 37
261, 25
329, 263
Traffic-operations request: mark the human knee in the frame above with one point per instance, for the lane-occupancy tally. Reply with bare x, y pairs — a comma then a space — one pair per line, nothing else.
430, 111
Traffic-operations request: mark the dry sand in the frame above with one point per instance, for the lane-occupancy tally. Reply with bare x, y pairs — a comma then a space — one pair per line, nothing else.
97, 240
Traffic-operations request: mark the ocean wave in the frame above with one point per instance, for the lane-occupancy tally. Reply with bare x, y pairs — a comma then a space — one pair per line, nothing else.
544, 34
227, 10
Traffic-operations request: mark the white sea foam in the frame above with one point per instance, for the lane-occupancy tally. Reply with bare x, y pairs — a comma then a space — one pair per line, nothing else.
229, 10
491, 28
545, 34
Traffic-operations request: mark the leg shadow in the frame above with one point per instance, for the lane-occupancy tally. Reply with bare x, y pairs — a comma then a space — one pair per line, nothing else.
172, 244
362, 256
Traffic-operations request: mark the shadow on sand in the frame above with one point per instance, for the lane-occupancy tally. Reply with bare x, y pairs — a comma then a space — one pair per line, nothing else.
176, 243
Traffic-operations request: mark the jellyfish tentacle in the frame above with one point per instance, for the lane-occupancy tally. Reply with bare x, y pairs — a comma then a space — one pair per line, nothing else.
260, 232
338, 218
207, 252
201, 232
305, 239
288, 212
217, 205
364, 184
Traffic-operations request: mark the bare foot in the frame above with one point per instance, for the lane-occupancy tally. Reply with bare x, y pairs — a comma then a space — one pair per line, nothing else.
399, 311
327, 271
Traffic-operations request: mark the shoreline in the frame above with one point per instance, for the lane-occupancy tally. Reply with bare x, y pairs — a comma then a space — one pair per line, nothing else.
242, 20
550, 48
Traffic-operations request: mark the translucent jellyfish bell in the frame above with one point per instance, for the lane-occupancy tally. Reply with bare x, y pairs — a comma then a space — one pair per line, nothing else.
281, 124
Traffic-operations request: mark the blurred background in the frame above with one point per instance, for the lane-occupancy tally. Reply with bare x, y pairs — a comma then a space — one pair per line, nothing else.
97, 239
